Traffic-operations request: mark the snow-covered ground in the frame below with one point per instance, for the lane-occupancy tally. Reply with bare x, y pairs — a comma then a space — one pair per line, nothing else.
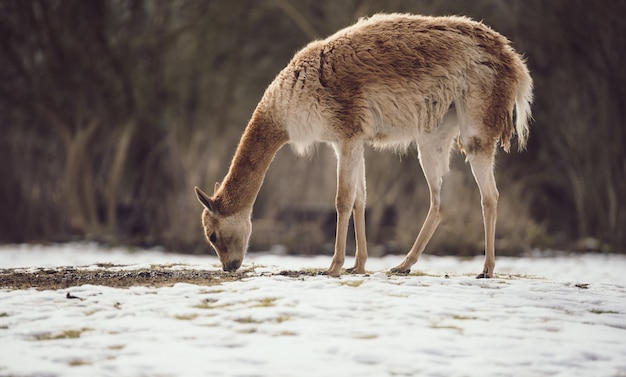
558, 316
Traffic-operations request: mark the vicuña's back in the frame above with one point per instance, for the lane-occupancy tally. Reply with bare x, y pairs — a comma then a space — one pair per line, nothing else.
390, 81
389, 77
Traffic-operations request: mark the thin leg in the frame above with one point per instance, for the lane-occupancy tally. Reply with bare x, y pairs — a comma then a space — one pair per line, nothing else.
359, 221
348, 158
482, 168
434, 150
433, 218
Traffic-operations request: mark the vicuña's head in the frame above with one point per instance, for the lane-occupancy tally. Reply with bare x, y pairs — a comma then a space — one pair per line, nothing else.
228, 235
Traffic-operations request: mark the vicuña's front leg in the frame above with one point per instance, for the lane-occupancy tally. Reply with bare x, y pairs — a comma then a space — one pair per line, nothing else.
348, 157
358, 214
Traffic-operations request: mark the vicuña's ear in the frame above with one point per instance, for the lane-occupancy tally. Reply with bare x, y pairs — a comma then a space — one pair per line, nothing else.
205, 200
217, 186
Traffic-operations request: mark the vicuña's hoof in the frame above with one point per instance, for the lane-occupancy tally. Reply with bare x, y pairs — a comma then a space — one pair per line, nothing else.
400, 270
331, 273
356, 270
483, 275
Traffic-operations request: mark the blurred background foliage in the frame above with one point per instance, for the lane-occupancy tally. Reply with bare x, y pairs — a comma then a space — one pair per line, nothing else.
112, 110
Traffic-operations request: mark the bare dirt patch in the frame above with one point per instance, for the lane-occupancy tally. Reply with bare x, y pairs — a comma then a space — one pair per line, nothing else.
64, 277
120, 277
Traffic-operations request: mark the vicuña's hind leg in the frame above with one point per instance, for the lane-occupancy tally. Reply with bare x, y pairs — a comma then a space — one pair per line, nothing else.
482, 168
434, 150
433, 218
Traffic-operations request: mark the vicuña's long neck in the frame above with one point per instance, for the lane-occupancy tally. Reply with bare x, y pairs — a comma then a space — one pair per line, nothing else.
260, 142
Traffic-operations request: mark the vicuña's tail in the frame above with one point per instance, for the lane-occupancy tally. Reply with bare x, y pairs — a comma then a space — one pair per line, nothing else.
523, 99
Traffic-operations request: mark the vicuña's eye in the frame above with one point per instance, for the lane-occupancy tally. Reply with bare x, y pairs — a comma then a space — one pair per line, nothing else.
213, 237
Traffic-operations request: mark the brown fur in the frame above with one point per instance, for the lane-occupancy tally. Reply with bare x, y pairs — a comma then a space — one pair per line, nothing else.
390, 81
259, 143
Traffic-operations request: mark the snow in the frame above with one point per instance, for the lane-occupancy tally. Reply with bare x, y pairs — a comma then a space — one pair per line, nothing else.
557, 316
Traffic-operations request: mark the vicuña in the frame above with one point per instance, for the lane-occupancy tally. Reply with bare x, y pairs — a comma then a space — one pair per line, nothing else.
390, 80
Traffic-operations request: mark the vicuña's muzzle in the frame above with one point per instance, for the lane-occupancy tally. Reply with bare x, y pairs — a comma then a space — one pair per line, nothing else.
232, 265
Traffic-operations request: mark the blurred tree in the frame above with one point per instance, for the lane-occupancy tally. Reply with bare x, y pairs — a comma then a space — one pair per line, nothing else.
577, 161
112, 110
